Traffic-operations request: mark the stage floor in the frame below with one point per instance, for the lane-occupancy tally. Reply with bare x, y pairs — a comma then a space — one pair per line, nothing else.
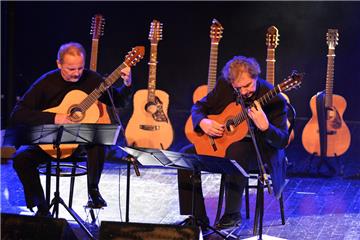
315, 208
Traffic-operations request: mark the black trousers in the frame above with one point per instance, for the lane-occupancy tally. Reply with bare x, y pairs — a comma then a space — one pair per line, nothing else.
28, 158
243, 152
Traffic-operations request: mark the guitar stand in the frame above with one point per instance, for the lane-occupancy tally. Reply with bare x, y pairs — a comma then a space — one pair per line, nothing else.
322, 161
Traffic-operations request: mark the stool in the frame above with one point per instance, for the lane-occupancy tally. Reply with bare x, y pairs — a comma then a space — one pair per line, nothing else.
70, 167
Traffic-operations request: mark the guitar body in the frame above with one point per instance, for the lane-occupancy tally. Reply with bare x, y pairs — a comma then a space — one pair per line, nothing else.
70, 100
104, 117
338, 134
143, 130
198, 94
203, 142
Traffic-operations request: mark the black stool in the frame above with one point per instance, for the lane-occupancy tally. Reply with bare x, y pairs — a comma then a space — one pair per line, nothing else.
70, 167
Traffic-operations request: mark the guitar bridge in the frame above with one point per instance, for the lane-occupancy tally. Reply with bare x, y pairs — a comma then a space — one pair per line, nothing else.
149, 127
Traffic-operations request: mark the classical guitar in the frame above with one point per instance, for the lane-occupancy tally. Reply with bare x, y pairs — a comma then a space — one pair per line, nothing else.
337, 133
233, 117
272, 41
149, 125
82, 108
97, 30
216, 31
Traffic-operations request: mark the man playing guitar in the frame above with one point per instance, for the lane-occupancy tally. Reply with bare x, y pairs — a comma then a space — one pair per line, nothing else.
47, 92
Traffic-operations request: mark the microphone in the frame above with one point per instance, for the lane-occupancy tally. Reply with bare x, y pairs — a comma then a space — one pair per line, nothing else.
132, 160
238, 95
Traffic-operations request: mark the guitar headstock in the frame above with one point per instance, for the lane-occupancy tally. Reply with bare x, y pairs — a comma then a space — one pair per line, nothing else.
155, 34
216, 31
272, 37
292, 81
97, 26
134, 56
332, 38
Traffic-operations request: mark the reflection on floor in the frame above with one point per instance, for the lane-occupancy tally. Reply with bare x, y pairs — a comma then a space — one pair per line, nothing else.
315, 208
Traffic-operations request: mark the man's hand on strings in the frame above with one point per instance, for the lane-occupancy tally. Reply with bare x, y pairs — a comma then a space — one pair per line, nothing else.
125, 74
258, 116
211, 127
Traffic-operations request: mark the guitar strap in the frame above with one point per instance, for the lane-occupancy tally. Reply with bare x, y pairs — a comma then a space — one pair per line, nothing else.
321, 111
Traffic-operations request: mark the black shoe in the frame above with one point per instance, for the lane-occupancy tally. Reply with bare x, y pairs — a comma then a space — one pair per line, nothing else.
95, 199
41, 213
229, 220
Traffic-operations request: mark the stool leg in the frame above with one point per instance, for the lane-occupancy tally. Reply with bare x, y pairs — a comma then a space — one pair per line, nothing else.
257, 207
48, 182
281, 200
72, 183
247, 204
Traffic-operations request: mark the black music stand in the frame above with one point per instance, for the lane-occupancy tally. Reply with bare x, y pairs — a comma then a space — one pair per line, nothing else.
102, 134
195, 163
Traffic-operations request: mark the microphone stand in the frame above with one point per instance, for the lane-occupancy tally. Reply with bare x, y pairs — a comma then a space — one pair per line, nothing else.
129, 159
262, 178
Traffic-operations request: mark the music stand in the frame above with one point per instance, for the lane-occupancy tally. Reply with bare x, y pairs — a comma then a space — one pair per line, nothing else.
102, 134
195, 163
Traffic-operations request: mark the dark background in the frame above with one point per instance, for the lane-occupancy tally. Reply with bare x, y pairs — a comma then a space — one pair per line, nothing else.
33, 31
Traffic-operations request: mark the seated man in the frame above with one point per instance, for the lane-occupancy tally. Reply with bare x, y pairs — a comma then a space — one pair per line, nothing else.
239, 76
48, 92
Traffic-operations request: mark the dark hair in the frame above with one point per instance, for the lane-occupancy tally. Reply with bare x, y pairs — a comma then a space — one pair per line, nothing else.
72, 48
238, 65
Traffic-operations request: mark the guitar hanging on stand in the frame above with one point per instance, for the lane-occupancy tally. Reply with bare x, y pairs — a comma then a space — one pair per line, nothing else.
216, 31
97, 30
149, 125
326, 134
272, 41
82, 108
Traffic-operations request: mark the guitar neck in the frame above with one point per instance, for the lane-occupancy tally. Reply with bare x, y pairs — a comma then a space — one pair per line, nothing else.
330, 78
212, 65
270, 66
94, 54
152, 72
97, 92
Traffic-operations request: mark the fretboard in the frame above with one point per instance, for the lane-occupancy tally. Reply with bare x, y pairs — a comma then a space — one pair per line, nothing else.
329, 78
94, 54
270, 66
212, 65
97, 92
152, 72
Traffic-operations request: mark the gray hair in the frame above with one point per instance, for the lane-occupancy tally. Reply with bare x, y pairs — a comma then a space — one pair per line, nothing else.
238, 65
72, 48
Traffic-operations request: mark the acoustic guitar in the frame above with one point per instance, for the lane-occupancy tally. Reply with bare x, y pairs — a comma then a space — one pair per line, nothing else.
82, 108
233, 117
272, 41
337, 133
97, 30
149, 125
216, 31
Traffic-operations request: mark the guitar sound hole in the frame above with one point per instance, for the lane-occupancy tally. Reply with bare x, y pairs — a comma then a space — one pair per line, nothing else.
230, 126
76, 114
151, 107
